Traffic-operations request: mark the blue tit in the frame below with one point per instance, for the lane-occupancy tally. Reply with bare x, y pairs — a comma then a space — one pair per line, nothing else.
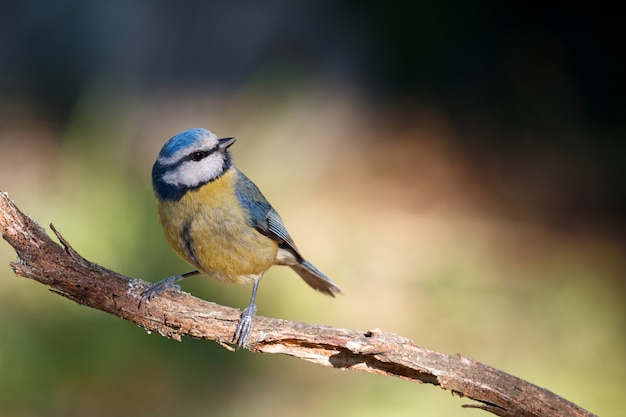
217, 220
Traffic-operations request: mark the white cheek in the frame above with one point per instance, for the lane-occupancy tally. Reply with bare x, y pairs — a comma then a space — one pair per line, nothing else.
192, 173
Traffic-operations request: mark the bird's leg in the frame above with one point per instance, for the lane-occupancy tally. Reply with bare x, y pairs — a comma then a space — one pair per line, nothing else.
245, 321
164, 285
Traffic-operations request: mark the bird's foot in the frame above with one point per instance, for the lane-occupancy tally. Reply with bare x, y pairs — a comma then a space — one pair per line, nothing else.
244, 325
160, 287
164, 285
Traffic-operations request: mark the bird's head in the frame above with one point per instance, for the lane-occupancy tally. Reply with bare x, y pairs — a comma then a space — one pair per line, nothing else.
189, 160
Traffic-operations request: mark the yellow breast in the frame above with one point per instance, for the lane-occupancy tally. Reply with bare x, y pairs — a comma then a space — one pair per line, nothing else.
209, 229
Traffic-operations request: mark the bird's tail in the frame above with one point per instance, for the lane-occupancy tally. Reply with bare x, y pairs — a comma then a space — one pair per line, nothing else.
315, 278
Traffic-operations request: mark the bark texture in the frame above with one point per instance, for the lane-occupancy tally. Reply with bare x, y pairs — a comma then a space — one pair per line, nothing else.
175, 314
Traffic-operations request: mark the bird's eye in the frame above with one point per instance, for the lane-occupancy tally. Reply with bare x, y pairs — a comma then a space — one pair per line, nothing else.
199, 155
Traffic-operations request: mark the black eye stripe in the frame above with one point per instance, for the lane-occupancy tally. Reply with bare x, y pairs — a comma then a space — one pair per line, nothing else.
199, 155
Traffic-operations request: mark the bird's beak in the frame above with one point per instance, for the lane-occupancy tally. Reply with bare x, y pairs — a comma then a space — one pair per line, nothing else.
226, 142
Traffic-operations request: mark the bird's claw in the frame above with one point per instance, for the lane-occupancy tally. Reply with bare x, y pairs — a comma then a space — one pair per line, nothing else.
159, 288
244, 326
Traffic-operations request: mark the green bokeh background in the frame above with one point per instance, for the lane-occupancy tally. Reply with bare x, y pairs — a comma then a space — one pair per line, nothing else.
460, 214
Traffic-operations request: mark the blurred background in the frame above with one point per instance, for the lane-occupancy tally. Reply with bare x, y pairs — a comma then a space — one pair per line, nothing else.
457, 168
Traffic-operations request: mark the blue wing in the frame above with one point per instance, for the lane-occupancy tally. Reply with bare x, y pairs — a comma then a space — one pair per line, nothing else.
266, 220
261, 214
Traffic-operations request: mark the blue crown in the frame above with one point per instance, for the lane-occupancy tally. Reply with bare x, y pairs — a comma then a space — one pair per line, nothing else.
182, 141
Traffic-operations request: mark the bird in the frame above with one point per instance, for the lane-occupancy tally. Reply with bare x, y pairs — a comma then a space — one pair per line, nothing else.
217, 220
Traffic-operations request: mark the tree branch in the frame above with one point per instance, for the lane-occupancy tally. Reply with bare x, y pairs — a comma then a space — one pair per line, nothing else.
175, 314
